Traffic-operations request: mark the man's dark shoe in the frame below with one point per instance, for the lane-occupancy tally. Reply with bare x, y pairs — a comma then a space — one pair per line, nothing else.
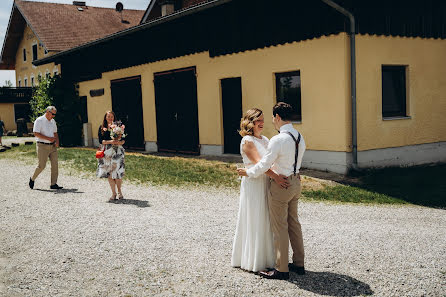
298, 269
55, 187
275, 274
31, 183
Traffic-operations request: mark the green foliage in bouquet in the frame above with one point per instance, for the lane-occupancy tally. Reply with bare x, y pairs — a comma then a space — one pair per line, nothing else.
61, 93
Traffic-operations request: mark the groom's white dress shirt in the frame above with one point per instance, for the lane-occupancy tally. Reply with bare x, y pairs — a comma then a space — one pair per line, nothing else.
280, 154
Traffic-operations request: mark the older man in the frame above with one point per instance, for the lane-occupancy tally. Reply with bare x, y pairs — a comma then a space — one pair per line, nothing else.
45, 131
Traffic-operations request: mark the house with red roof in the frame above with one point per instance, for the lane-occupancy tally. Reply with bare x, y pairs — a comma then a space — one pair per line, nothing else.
37, 30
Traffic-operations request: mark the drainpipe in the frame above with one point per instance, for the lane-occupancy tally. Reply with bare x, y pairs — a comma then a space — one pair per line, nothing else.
352, 77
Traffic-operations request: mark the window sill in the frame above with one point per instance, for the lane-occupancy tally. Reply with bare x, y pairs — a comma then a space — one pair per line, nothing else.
397, 118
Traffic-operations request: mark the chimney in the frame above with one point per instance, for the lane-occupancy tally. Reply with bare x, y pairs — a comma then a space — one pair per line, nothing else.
167, 7
80, 3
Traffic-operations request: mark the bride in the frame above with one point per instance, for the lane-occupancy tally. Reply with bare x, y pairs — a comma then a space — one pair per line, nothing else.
253, 248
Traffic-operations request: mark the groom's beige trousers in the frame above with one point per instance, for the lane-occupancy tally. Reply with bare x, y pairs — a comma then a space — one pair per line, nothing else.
285, 223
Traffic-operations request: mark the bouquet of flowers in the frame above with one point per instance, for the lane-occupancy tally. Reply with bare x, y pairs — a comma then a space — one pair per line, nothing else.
117, 130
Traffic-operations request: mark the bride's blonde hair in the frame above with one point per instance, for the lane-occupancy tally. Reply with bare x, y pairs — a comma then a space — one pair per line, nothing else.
247, 122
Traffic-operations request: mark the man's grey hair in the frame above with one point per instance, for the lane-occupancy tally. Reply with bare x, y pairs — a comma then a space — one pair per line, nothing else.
51, 108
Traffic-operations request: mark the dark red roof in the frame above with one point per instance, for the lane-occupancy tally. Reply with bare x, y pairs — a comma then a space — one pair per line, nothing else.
63, 26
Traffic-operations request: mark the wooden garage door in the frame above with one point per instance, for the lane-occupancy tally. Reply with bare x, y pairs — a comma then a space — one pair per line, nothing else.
177, 111
127, 105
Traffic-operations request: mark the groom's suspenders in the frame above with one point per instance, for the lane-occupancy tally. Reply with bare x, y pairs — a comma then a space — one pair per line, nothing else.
297, 149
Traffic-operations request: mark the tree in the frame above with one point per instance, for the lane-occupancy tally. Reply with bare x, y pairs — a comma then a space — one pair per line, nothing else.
41, 98
62, 94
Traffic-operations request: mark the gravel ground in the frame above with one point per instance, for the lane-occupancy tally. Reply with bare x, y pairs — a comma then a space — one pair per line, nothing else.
8, 140
172, 242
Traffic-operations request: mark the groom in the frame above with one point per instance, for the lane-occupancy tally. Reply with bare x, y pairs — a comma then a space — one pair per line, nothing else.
284, 156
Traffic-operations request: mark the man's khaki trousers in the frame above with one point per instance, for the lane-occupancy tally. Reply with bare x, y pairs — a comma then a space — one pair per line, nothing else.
45, 151
285, 223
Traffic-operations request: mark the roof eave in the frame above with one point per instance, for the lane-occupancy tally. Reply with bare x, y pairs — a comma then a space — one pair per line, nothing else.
147, 12
32, 29
2, 64
167, 18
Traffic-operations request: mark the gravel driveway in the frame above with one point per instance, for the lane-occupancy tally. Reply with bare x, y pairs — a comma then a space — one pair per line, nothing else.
172, 242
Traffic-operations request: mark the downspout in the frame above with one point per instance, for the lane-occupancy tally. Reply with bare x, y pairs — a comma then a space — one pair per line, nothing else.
352, 78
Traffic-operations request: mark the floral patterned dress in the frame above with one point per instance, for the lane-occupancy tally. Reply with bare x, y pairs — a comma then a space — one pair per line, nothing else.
112, 165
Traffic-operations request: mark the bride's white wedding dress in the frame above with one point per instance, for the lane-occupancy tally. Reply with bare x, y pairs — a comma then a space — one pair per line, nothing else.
253, 248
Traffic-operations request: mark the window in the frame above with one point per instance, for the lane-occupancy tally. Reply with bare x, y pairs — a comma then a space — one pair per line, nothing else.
393, 91
20, 83
32, 81
47, 74
34, 52
24, 55
26, 82
288, 90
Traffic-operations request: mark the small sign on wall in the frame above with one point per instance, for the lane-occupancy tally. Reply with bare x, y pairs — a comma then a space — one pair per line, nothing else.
97, 92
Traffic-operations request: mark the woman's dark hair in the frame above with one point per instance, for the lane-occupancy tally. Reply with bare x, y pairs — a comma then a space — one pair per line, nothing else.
284, 110
104, 122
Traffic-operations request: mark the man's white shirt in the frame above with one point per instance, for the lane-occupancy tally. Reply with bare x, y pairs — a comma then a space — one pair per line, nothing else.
280, 154
44, 127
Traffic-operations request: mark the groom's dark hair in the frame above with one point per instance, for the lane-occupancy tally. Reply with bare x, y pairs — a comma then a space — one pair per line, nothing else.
284, 110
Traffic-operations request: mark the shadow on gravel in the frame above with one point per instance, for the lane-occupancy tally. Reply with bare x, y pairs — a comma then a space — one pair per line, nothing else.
139, 203
61, 191
330, 284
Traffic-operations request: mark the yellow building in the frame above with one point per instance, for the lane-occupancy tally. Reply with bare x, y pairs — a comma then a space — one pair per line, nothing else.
37, 30
184, 79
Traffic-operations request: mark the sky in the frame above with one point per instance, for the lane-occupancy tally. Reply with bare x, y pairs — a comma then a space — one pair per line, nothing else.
5, 11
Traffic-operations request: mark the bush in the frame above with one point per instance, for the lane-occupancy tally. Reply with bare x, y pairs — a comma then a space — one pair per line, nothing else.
41, 98
62, 94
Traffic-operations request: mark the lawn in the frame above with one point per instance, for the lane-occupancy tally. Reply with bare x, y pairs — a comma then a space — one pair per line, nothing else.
422, 185
155, 170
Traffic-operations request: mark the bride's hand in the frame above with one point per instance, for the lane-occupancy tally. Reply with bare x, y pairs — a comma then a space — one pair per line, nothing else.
282, 181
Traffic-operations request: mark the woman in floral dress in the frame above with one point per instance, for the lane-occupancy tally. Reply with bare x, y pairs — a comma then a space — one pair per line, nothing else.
112, 165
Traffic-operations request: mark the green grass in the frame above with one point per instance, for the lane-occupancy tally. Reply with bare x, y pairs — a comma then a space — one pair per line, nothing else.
156, 170
422, 185
344, 193
419, 185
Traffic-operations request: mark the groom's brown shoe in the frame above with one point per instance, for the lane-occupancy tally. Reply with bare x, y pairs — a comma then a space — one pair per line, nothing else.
300, 270
275, 274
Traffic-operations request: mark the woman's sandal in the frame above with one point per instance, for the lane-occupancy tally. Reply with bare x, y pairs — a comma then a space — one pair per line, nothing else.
112, 198
120, 196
